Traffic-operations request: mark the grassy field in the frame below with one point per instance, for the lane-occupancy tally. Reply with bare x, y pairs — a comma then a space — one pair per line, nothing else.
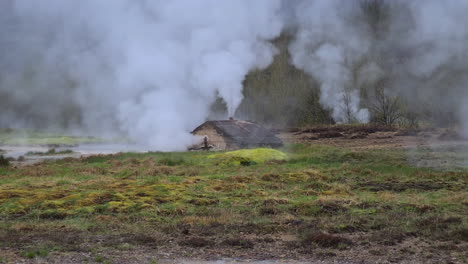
319, 202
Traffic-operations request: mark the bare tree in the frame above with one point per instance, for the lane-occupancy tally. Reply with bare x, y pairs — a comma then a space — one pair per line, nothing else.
386, 109
347, 107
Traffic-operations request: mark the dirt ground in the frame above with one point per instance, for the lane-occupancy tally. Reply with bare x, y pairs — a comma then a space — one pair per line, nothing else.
274, 249
441, 149
368, 141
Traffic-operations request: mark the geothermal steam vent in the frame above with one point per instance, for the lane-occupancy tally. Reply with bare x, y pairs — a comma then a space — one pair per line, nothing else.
234, 134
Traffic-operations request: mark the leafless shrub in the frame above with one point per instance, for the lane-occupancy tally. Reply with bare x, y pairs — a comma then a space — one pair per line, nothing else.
386, 109
347, 108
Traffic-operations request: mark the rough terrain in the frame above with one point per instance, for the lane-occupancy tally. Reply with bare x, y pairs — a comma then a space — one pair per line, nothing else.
366, 199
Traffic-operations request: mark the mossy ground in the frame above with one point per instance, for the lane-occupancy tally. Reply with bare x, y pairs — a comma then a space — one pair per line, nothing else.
329, 200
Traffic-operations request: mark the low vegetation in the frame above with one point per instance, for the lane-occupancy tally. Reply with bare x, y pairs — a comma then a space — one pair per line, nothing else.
329, 201
247, 157
4, 162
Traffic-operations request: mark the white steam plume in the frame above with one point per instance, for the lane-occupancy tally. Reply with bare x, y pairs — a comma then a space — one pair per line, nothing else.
434, 71
327, 45
418, 47
150, 69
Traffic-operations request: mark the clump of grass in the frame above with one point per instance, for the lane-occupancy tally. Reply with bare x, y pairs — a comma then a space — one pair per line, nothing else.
171, 161
115, 163
160, 170
41, 252
271, 177
101, 259
91, 170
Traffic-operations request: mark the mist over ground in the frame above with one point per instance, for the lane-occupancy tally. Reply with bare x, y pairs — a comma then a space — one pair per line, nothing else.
154, 70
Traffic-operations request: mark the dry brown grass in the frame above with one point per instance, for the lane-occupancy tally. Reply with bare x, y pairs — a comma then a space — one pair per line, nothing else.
315, 174
36, 171
222, 186
241, 179
347, 129
388, 196
92, 171
271, 177
160, 170
222, 219
115, 163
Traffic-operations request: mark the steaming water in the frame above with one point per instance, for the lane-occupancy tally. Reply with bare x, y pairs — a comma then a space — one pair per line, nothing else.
451, 155
78, 151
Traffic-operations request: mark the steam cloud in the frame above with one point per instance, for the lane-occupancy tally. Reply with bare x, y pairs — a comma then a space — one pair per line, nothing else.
418, 48
151, 69
148, 68
327, 46
436, 59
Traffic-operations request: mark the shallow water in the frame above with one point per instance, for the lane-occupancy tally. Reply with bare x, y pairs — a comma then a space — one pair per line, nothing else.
78, 151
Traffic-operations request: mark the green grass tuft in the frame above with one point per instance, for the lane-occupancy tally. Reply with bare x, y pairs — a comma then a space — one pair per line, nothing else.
248, 157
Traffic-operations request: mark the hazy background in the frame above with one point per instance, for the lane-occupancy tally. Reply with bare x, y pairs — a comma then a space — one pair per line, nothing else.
154, 70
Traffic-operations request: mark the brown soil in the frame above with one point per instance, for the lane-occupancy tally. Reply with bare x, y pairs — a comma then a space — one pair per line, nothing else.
205, 245
403, 186
372, 136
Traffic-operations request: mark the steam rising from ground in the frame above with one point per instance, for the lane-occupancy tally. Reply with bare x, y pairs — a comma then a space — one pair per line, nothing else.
148, 68
151, 69
435, 69
328, 44
414, 49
